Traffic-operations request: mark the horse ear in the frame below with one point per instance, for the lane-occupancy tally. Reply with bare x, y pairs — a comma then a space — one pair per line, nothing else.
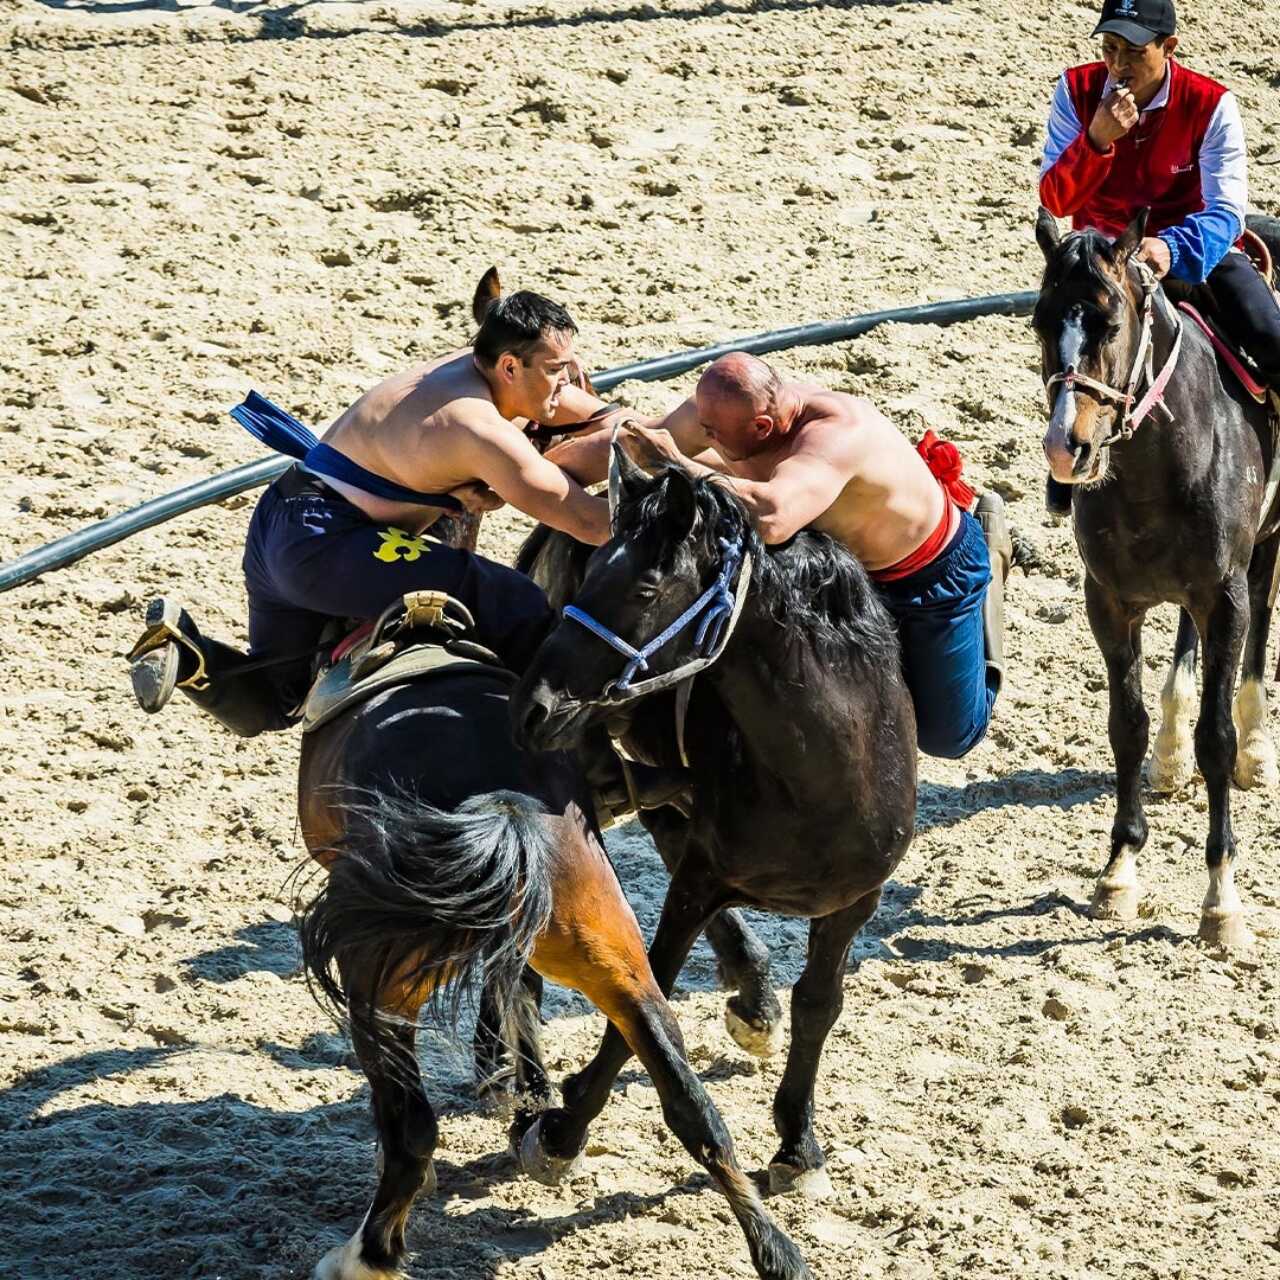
583, 379
1126, 244
680, 503
489, 288
1047, 234
624, 475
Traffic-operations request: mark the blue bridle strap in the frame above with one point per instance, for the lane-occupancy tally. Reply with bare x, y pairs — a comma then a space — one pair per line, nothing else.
715, 604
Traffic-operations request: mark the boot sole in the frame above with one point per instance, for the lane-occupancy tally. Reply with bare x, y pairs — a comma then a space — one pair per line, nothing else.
154, 673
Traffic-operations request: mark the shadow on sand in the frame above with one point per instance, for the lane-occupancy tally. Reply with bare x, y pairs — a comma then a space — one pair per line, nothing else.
289, 21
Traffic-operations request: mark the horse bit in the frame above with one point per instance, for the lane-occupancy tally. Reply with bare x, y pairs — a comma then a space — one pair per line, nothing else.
1132, 416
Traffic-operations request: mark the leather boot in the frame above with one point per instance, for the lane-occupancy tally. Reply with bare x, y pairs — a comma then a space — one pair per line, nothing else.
990, 515
622, 788
1057, 497
172, 654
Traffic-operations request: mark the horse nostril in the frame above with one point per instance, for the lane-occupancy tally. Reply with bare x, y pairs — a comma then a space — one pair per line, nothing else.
533, 718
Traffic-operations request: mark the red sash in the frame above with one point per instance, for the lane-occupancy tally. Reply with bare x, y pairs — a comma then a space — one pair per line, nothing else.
945, 463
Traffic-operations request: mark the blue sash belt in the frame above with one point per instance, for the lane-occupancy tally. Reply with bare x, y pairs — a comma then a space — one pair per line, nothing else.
282, 432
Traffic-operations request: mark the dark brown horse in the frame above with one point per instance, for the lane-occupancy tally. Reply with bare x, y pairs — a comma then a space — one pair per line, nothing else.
800, 742
453, 855
1169, 459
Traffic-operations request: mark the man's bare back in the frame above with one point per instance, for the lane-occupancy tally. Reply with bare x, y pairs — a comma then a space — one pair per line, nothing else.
406, 429
889, 502
447, 426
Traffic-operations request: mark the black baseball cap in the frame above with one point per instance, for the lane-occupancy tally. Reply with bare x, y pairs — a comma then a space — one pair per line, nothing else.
1137, 21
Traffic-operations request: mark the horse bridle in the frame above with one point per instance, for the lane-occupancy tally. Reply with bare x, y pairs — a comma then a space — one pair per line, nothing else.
719, 608
1132, 416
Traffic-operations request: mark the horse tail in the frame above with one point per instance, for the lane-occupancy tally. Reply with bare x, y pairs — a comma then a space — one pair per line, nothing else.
420, 902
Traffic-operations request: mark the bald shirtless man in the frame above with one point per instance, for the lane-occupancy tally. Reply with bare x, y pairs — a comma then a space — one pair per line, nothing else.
800, 456
321, 546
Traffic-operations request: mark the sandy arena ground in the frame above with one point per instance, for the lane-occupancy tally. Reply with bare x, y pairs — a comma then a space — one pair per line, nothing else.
200, 199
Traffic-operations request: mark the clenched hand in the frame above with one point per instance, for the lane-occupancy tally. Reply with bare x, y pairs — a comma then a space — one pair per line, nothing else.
1117, 113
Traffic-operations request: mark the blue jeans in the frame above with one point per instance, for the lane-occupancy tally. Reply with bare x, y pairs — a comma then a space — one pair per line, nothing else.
939, 615
311, 556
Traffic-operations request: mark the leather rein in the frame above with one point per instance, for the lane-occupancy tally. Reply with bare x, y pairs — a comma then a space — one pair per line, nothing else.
1132, 415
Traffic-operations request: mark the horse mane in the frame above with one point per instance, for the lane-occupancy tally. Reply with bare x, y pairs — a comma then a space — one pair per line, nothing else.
1078, 260
812, 586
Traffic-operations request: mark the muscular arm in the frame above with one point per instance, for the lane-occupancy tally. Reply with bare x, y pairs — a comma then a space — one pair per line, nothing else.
517, 473
586, 457
803, 488
1072, 168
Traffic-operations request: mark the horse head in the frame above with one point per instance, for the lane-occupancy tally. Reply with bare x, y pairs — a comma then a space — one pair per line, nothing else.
657, 603
1089, 319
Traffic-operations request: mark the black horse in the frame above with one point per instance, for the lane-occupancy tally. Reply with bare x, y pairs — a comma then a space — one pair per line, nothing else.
752, 1015
800, 740
451, 853
1169, 457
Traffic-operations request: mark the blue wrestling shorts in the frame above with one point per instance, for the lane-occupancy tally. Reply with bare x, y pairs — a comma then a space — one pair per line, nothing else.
938, 610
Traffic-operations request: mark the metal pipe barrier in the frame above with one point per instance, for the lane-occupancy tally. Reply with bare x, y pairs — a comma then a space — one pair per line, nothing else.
94, 537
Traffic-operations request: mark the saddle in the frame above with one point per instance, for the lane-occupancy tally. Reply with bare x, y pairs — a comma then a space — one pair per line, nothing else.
423, 634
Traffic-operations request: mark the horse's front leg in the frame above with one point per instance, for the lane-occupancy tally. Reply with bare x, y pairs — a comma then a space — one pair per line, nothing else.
1117, 628
1222, 916
753, 1017
1255, 764
816, 1001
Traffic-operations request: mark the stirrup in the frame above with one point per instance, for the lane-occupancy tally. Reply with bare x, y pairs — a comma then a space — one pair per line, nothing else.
164, 627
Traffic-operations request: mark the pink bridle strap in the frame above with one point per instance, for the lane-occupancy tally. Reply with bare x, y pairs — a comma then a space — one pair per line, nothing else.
1155, 394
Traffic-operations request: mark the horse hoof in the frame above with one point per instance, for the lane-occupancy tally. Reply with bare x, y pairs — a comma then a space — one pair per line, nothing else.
1167, 774
813, 1184
343, 1263
1115, 901
541, 1165
1256, 770
760, 1042
1225, 930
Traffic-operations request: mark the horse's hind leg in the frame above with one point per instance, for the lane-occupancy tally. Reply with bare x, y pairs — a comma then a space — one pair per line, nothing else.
816, 1001
1222, 916
753, 1017
508, 1058
1172, 760
1255, 764
524, 1032
407, 1133
1117, 627
691, 901
494, 1065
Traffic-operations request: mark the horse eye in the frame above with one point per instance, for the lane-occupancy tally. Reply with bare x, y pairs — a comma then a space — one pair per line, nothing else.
647, 584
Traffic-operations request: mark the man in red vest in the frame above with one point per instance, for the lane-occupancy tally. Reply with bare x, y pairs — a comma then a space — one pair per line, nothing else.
1140, 129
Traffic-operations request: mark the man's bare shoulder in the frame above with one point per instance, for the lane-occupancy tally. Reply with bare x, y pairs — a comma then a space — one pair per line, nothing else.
841, 409
447, 393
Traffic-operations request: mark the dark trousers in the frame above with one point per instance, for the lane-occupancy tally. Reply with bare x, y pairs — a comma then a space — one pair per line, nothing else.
312, 557
1242, 303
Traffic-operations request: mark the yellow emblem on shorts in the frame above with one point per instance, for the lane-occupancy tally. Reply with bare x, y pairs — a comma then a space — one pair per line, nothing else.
399, 545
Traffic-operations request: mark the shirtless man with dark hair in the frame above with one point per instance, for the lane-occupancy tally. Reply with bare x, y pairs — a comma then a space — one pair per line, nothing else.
321, 546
